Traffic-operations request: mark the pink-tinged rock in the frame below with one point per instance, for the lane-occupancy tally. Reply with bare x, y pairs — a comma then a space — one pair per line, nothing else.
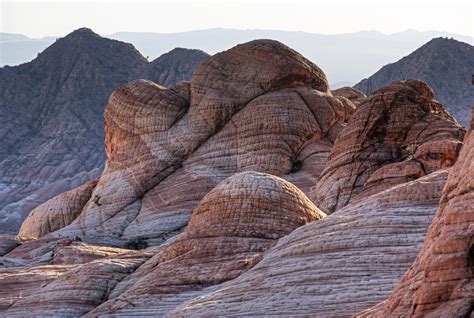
334, 267
352, 94
233, 225
167, 148
400, 132
57, 212
440, 283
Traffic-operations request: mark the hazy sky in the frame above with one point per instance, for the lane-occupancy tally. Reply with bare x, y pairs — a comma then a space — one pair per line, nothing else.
40, 18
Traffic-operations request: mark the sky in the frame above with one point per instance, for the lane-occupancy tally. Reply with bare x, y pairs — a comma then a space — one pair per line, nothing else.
57, 18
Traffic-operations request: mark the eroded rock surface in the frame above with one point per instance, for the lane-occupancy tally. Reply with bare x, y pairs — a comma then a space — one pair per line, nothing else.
229, 231
233, 225
77, 278
51, 115
398, 134
257, 107
440, 283
352, 94
346, 262
57, 212
202, 210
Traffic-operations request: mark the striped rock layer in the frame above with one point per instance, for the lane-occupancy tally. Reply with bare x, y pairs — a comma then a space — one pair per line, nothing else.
258, 107
440, 283
213, 196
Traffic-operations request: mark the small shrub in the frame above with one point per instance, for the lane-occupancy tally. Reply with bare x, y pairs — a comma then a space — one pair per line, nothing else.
137, 243
296, 166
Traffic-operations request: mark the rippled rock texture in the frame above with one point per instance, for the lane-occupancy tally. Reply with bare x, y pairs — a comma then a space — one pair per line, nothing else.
440, 283
213, 195
51, 115
335, 267
398, 134
257, 107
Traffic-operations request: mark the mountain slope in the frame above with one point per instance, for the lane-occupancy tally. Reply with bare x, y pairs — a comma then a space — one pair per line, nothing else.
176, 65
445, 64
51, 114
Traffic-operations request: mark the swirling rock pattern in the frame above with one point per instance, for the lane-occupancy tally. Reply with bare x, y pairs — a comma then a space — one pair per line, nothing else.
57, 212
167, 148
77, 278
335, 267
397, 134
441, 281
198, 210
233, 225
227, 234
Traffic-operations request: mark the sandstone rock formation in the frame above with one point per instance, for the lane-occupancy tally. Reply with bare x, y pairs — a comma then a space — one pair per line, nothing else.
445, 64
230, 229
227, 234
69, 280
352, 94
335, 267
397, 134
198, 212
51, 110
440, 283
167, 150
56, 213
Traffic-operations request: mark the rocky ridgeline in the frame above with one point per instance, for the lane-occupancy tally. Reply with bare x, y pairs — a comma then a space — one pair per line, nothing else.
445, 64
51, 110
255, 190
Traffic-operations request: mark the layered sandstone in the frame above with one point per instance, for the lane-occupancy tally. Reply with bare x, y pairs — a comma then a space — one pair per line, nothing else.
352, 94
202, 208
335, 267
51, 110
440, 283
230, 229
77, 278
397, 135
167, 148
57, 212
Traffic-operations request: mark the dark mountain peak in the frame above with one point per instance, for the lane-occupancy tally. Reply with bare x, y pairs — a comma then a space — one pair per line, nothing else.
179, 53
444, 63
82, 33
84, 39
441, 42
176, 65
85, 49
183, 50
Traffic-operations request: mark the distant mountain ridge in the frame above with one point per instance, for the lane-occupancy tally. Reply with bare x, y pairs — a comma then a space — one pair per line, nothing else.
345, 57
446, 65
51, 114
